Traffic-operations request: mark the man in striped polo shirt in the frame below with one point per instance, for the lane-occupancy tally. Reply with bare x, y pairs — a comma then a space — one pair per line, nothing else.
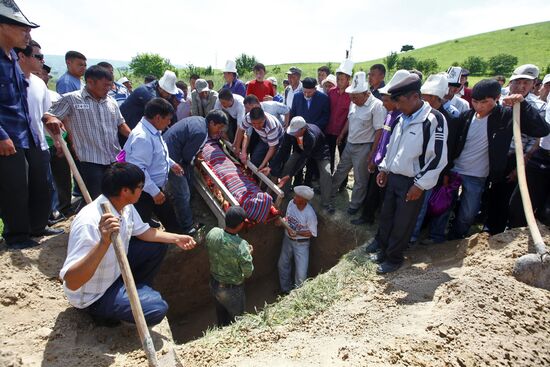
270, 132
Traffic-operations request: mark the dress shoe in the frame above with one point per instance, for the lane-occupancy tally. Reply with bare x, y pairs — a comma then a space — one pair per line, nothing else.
387, 267
22, 245
55, 217
48, 231
353, 211
329, 209
378, 257
372, 247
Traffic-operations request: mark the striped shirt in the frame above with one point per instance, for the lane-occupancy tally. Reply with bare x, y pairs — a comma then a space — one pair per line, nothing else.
272, 131
93, 125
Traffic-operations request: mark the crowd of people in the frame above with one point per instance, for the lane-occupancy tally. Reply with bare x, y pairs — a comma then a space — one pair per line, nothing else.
422, 150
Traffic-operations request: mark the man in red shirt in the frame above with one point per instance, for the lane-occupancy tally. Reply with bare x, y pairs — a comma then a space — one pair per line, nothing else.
339, 108
263, 89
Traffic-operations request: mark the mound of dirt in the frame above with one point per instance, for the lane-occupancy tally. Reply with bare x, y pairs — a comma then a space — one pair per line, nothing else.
455, 304
451, 305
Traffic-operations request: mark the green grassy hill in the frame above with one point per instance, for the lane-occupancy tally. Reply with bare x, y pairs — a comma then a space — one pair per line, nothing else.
529, 43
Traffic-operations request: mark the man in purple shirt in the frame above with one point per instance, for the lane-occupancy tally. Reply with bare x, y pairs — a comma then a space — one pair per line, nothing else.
232, 83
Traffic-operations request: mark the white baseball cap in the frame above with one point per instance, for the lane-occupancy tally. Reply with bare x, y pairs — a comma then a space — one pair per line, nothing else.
527, 71
331, 78
546, 79
168, 82
296, 124
122, 80
201, 85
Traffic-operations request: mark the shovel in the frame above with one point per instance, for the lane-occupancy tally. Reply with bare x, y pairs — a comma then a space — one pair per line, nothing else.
532, 269
168, 360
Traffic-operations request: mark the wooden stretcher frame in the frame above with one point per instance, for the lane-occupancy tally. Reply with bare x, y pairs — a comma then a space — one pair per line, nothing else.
214, 205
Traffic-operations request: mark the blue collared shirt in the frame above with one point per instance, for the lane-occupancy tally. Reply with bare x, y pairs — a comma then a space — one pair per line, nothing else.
15, 119
119, 93
146, 149
408, 118
67, 83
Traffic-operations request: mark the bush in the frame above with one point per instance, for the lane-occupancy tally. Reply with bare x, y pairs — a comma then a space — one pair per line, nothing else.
406, 48
245, 63
191, 69
502, 64
391, 60
407, 63
427, 66
476, 65
150, 64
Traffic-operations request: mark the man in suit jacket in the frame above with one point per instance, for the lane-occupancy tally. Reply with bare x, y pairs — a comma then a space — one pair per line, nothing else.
311, 104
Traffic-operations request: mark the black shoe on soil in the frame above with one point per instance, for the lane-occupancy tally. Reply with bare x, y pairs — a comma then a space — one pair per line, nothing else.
22, 245
48, 231
372, 247
387, 267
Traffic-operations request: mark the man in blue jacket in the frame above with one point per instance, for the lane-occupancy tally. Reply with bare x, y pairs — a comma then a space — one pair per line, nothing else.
185, 139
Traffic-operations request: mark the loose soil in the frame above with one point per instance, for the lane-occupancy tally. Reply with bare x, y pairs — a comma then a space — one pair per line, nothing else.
455, 304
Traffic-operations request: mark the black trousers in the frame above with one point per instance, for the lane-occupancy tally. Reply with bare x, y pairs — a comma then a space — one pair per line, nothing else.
25, 199
331, 141
62, 177
375, 195
397, 218
146, 207
538, 182
498, 199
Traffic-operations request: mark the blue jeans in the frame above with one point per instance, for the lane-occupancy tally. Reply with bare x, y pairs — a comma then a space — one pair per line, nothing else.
230, 301
421, 216
470, 201
145, 259
179, 191
300, 252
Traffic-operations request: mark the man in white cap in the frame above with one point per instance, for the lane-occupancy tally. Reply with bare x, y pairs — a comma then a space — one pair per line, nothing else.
339, 108
133, 107
126, 82
544, 90
452, 98
94, 122
302, 220
328, 83
364, 128
232, 82
203, 99
24, 194
306, 142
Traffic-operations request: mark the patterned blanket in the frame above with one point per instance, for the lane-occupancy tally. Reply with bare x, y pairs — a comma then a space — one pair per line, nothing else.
254, 201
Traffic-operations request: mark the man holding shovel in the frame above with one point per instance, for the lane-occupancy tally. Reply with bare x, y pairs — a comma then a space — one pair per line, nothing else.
91, 275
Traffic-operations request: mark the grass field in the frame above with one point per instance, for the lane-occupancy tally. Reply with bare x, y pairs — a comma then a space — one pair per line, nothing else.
529, 43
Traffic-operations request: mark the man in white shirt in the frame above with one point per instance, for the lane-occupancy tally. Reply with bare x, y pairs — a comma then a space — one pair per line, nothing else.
31, 60
363, 127
91, 275
146, 149
280, 110
453, 102
233, 105
301, 217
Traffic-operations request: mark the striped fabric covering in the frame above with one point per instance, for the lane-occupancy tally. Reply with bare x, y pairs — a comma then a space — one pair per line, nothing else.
255, 202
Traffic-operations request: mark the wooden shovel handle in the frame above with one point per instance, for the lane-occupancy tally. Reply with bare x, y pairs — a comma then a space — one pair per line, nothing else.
137, 311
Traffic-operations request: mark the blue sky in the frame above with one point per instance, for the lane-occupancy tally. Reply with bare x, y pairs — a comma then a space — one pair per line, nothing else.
208, 32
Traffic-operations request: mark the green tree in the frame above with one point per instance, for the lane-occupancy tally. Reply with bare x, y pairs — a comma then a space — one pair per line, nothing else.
407, 63
476, 65
427, 66
502, 64
245, 63
150, 64
391, 60
406, 48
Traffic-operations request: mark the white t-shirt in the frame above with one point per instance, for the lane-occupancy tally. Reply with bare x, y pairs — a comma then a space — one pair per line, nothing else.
84, 235
301, 220
236, 110
474, 158
365, 120
289, 97
276, 109
545, 141
39, 101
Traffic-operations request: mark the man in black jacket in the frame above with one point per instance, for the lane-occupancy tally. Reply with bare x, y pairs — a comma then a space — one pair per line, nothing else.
483, 140
307, 142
